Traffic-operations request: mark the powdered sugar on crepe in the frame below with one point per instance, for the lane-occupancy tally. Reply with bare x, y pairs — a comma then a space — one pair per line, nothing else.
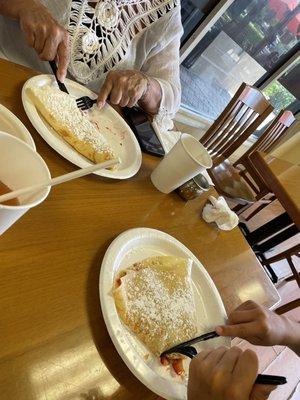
63, 108
156, 301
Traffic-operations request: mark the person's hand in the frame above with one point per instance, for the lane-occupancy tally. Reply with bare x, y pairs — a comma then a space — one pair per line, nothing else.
123, 87
225, 374
49, 39
257, 324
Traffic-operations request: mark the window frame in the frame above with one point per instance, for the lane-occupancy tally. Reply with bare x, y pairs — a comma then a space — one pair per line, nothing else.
203, 28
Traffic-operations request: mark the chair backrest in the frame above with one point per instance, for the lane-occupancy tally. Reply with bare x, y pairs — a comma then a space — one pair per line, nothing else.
241, 117
271, 136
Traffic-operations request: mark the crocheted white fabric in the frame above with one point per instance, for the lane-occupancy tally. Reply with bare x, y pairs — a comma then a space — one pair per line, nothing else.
102, 31
111, 34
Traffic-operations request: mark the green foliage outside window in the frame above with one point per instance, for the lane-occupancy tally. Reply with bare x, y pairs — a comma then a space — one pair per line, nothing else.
278, 96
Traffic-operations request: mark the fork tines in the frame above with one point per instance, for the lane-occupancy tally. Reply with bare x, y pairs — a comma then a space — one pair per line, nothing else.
85, 102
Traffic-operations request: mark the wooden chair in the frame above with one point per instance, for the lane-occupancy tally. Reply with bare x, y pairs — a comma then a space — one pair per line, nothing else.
242, 116
287, 254
272, 135
268, 236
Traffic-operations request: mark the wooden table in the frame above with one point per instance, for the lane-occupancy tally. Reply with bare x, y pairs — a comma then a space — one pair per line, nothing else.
54, 344
283, 179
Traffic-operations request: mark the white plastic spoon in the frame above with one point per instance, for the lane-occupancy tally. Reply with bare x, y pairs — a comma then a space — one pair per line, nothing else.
58, 180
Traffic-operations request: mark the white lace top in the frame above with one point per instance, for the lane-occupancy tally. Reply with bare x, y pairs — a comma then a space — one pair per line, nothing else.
111, 34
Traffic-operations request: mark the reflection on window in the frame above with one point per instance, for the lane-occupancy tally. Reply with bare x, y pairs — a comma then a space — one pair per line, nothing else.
192, 14
247, 43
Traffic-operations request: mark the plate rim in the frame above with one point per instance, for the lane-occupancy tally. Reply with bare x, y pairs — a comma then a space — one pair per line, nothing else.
140, 233
27, 135
45, 135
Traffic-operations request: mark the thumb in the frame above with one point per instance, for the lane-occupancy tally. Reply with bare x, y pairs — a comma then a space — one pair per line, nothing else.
261, 392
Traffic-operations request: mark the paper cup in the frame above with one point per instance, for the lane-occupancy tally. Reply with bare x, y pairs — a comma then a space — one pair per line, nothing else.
20, 166
184, 161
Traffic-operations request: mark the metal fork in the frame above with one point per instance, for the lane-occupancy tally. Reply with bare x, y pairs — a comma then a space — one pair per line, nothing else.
85, 102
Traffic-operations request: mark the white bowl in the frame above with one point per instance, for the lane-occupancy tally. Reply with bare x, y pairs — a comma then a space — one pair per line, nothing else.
20, 166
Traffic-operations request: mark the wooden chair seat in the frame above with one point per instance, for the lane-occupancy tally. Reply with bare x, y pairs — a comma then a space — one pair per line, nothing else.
268, 140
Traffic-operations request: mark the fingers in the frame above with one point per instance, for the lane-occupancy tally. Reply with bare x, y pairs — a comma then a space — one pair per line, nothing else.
214, 357
245, 372
49, 51
202, 355
29, 37
116, 94
236, 317
124, 88
247, 305
39, 39
46, 36
230, 358
206, 358
63, 53
104, 92
221, 376
245, 313
240, 330
124, 101
133, 101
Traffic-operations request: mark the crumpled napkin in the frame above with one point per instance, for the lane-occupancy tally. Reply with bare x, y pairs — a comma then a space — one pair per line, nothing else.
220, 213
162, 125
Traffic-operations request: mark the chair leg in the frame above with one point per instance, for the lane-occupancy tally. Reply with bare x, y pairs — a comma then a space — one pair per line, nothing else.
288, 307
243, 227
294, 271
290, 278
270, 271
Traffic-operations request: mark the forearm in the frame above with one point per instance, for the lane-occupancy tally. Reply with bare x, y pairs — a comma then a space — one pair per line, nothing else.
150, 102
12, 8
292, 338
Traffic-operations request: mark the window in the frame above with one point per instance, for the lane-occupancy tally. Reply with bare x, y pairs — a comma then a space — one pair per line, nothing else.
192, 13
284, 92
247, 44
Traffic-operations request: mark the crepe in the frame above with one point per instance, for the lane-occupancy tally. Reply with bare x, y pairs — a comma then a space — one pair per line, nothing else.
154, 298
60, 110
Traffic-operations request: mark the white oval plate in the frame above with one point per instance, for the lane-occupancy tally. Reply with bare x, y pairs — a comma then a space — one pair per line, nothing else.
135, 245
119, 134
11, 124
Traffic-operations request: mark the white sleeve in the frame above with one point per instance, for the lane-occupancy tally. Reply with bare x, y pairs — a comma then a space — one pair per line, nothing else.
163, 61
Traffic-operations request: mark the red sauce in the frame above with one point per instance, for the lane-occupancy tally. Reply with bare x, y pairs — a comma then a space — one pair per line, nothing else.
178, 366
